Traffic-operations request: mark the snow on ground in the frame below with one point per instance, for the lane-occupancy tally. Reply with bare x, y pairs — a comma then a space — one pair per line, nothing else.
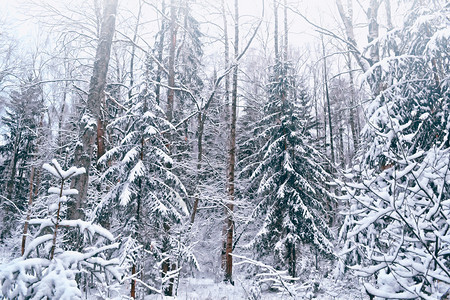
209, 289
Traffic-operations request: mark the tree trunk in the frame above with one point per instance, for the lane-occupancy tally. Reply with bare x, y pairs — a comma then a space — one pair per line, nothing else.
30, 203
353, 109
167, 266
133, 50
325, 76
316, 108
84, 150
160, 52
133, 283
324, 124
199, 162
173, 44
55, 232
372, 16
343, 159
275, 30
226, 116
286, 33
232, 158
61, 119
292, 259
347, 19
348, 23
101, 148
227, 64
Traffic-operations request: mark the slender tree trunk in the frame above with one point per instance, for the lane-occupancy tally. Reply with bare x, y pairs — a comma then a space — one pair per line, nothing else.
172, 290
353, 109
165, 270
61, 119
30, 203
166, 265
226, 115
133, 283
226, 63
232, 158
199, 162
286, 33
101, 148
341, 141
372, 15
275, 33
292, 260
173, 44
133, 50
160, 52
200, 132
324, 124
325, 76
390, 26
281, 56
347, 19
84, 150
55, 233
137, 232
316, 104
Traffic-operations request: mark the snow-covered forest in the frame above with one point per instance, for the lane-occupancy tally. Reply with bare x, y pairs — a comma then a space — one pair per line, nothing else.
225, 149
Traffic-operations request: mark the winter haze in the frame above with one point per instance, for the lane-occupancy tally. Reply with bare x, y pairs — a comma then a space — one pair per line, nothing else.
224, 149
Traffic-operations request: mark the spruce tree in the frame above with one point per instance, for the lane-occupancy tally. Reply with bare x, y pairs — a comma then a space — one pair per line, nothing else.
21, 121
289, 176
146, 197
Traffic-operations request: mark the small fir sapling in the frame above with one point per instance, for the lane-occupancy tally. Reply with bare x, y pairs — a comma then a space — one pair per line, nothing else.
47, 268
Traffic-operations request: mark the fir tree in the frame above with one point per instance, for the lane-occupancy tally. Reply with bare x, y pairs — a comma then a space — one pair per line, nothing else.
180, 36
49, 267
147, 198
289, 177
23, 114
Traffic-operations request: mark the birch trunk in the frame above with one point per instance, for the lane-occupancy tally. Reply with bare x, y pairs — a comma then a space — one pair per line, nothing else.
347, 19
372, 16
232, 158
84, 150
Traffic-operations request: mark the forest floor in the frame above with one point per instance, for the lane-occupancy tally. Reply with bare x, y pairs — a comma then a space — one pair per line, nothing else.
207, 286
209, 289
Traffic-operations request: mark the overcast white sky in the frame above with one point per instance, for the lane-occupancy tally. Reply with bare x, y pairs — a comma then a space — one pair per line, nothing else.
321, 11
301, 35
